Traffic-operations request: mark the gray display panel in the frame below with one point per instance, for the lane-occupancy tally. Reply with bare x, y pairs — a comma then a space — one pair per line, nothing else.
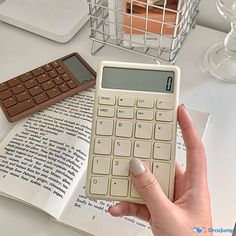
79, 70
138, 79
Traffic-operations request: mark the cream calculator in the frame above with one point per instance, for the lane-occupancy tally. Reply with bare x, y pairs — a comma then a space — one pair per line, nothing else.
135, 116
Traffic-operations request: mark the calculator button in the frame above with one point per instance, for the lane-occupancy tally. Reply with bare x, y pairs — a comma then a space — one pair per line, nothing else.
38, 71
58, 80
13, 82
9, 102
106, 111
20, 107
41, 98
18, 89
35, 90
162, 173
122, 148
124, 129
43, 78
64, 88
66, 77
22, 96
145, 103
3, 87
125, 113
134, 192
162, 151
53, 73
31, 83
60, 70
55, 64
144, 115
120, 167
101, 165
165, 104
142, 149
48, 85
143, 130
163, 132
102, 146
119, 187
99, 185
72, 84
26, 76
53, 92
164, 115
126, 101
5, 94
107, 100
48, 67
104, 127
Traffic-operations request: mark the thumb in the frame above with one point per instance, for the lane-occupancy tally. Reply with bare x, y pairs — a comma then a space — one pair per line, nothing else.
148, 187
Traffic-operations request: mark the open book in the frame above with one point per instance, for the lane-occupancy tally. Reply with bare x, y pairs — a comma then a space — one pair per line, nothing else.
43, 163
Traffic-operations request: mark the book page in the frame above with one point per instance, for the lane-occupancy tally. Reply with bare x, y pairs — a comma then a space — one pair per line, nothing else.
44, 156
89, 215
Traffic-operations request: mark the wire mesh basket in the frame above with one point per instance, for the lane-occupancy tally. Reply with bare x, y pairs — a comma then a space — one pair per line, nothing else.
156, 29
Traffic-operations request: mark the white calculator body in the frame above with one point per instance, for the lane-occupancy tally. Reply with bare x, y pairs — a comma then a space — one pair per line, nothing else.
135, 116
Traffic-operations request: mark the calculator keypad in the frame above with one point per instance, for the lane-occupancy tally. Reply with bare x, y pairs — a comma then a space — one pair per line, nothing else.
130, 127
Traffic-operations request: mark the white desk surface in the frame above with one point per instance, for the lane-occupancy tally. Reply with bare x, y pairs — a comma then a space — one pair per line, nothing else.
21, 51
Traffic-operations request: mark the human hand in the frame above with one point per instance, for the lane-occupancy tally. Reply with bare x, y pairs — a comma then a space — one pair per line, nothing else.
191, 205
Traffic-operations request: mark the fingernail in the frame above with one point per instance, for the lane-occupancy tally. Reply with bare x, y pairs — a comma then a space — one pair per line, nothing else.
136, 166
183, 106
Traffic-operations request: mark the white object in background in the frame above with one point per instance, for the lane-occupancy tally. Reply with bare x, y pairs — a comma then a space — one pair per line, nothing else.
58, 20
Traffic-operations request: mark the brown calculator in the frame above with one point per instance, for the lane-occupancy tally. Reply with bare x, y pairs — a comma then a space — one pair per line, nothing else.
44, 86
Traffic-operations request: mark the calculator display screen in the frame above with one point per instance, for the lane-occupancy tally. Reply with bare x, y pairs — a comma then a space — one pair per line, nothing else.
138, 79
78, 69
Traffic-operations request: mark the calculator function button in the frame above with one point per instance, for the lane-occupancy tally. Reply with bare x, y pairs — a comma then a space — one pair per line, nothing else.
66, 77
104, 127
13, 82
122, 148
125, 113
142, 149
124, 129
144, 115
22, 96
26, 76
55, 64
18, 89
143, 130
48, 85
120, 167
145, 103
102, 146
60, 70
64, 88
165, 104
134, 192
3, 87
53, 92
38, 71
35, 90
72, 84
164, 115
126, 101
9, 102
119, 187
41, 98
31, 83
106, 111
107, 100
99, 185
43, 78
5, 94
53, 73
20, 107
48, 67
162, 151
58, 80
163, 132
162, 173
101, 165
